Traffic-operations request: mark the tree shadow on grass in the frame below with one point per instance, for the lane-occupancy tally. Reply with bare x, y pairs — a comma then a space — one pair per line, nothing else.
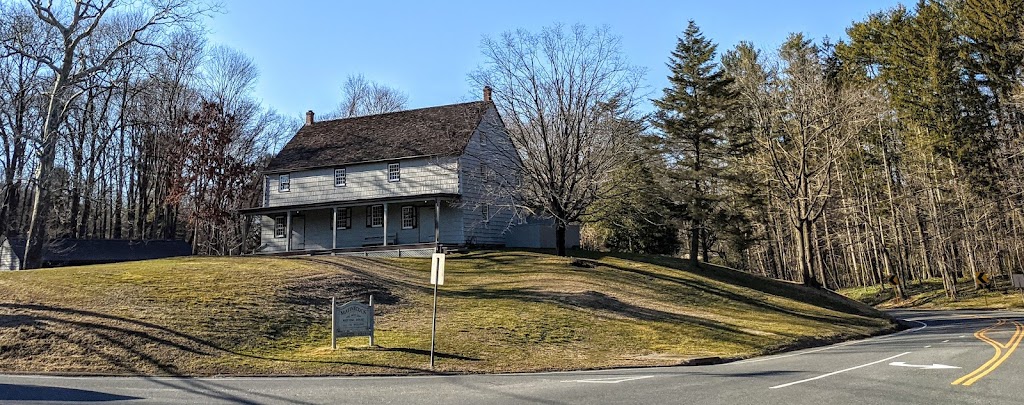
19, 392
419, 352
134, 347
793, 292
607, 305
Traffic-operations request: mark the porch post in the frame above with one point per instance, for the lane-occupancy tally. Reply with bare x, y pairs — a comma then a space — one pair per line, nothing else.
437, 220
288, 232
334, 230
385, 224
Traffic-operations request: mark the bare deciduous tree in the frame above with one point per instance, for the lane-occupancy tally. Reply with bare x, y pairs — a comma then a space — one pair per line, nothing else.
360, 96
75, 41
803, 124
567, 97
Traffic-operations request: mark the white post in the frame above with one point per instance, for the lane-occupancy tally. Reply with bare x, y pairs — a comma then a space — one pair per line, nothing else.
385, 224
334, 339
288, 232
373, 328
433, 328
334, 231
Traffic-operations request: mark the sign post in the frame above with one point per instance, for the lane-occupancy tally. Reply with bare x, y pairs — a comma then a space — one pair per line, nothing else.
985, 281
436, 278
351, 319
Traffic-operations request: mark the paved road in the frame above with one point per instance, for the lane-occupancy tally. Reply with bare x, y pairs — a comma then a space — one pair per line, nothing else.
962, 357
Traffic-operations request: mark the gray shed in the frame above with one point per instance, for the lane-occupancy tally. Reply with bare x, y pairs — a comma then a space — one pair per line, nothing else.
77, 252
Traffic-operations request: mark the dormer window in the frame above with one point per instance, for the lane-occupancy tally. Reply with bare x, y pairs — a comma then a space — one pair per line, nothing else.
394, 172
340, 177
284, 183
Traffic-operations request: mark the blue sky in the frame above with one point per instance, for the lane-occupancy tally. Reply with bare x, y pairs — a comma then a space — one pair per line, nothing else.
306, 49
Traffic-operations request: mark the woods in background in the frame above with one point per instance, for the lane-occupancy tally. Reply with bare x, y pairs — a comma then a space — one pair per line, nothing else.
897, 152
119, 121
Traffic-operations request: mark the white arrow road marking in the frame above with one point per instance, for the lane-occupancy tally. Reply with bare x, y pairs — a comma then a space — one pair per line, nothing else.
840, 371
922, 366
610, 380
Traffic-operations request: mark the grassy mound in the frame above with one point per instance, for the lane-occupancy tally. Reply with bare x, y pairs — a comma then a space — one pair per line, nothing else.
929, 294
500, 311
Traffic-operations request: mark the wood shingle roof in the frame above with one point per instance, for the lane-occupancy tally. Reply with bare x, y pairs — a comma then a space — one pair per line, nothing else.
434, 131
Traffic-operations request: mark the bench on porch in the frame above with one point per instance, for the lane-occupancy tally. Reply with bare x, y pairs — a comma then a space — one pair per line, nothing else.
379, 240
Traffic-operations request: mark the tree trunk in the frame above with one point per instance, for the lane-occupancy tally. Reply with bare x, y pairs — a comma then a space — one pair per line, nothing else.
41, 200
560, 237
694, 246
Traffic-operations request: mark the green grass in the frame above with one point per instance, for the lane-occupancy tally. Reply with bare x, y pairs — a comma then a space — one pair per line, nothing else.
500, 311
930, 294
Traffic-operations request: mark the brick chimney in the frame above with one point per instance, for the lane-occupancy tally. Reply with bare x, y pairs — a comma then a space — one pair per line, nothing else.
487, 94
309, 117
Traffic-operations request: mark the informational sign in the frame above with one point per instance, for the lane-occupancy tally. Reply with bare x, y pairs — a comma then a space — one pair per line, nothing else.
1017, 280
437, 269
354, 318
894, 279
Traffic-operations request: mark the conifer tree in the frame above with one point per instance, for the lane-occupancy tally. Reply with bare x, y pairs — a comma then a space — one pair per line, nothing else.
693, 116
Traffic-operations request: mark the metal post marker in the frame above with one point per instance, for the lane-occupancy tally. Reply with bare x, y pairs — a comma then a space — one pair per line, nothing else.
433, 318
334, 339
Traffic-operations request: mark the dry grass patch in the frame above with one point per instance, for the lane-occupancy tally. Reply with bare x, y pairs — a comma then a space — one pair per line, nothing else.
930, 294
501, 311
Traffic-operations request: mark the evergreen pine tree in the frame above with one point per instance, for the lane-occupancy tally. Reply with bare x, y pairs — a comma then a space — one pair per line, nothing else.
693, 116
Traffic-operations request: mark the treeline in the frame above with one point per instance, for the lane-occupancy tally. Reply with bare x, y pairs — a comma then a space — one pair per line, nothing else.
121, 121
895, 152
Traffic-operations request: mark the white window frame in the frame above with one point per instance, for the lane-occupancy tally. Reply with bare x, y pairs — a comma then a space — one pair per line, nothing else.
394, 172
280, 224
344, 219
409, 220
340, 177
372, 216
284, 183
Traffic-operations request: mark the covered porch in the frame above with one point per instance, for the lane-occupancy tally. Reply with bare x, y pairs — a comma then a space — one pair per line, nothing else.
350, 227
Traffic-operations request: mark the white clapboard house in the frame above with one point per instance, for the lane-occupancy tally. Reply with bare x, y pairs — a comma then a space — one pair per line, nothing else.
398, 182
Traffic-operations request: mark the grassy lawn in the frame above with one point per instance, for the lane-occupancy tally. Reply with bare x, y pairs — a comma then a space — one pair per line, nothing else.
929, 294
500, 311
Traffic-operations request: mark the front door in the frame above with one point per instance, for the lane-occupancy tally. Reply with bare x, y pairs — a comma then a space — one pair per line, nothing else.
298, 233
426, 224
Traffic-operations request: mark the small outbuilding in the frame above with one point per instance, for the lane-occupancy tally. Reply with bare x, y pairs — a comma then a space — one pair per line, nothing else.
78, 252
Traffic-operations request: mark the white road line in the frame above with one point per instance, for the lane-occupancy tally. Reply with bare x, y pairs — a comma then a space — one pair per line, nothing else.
928, 347
945, 341
840, 371
801, 353
610, 380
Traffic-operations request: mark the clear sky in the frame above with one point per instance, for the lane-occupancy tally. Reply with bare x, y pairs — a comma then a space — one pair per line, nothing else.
305, 49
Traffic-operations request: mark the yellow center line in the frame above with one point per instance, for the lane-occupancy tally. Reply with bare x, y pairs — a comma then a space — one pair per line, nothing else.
999, 356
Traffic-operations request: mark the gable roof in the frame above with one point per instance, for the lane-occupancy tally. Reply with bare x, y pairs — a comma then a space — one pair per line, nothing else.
433, 131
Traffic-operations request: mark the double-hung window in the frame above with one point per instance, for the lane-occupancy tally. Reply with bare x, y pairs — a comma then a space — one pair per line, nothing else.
394, 172
284, 183
485, 212
344, 218
375, 216
279, 227
340, 177
408, 217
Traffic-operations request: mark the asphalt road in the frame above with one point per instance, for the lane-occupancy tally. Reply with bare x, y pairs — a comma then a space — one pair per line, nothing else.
949, 357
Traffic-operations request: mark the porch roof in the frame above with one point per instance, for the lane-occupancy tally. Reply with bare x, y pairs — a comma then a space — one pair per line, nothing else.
346, 203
